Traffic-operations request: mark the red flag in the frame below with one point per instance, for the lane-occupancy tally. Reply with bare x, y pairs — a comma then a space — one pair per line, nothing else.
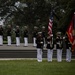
50, 24
71, 32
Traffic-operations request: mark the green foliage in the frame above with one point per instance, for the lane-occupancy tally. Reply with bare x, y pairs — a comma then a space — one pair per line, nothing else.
65, 20
38, 12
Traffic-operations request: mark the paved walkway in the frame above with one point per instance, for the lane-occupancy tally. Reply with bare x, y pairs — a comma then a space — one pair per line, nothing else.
14, 47
21, 47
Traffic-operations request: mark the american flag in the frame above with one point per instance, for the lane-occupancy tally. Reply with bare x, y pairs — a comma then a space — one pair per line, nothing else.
50, 24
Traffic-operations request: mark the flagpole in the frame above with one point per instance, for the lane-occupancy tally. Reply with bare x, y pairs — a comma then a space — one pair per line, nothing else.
74, 29
74, 23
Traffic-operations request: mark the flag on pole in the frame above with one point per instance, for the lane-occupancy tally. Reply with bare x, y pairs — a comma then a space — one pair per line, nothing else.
50, 25
71, 32
73, 44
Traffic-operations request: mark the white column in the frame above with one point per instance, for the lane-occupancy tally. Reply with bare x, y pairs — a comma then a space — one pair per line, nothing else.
17, 41
25, 41
39, 55
49, 55
68, 55
9, 40
1, 40
34, 42
59, 55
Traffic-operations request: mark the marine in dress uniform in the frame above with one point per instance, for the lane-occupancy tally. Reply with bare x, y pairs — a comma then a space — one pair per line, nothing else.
50, 46
39, 41
1, 35
68, 49
35, 35
59, 46
25, 36
17, 36
9, 35
43, 33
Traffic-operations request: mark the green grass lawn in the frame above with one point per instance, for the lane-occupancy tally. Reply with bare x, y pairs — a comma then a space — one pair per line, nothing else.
32, 67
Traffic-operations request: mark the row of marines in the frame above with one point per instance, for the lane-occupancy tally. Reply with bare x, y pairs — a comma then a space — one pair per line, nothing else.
18, 33
39, 43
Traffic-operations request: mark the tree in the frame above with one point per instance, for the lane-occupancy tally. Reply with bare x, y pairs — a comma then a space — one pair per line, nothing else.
65, 20
37, 12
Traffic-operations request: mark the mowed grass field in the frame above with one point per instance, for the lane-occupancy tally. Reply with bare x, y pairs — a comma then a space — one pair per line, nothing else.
32, 67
